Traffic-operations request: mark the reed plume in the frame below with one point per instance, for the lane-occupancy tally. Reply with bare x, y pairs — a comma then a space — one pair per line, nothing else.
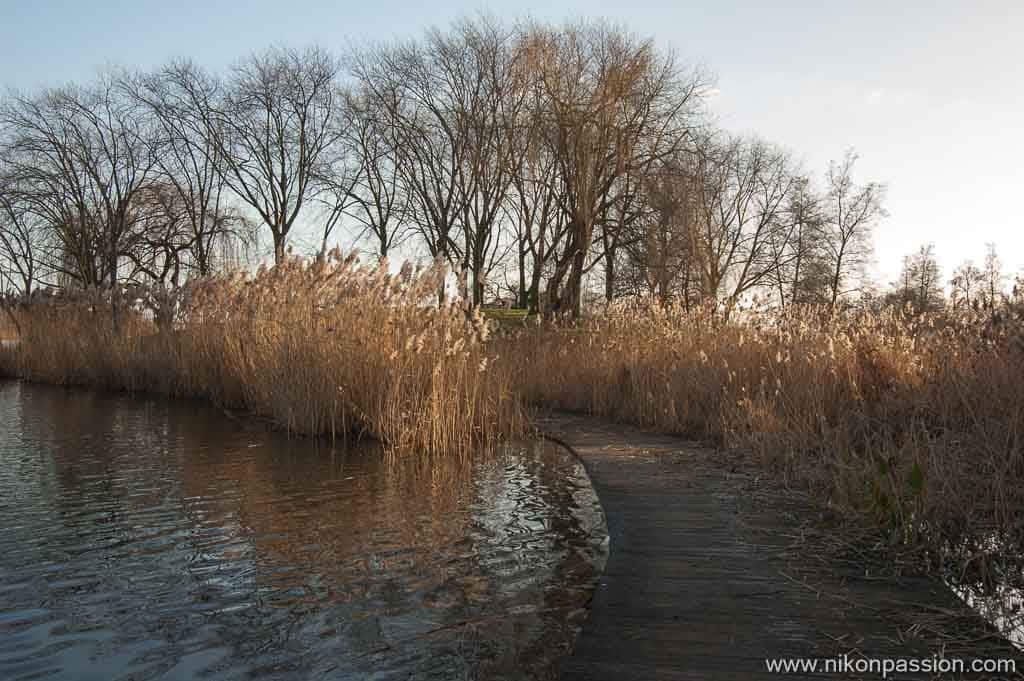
327, 346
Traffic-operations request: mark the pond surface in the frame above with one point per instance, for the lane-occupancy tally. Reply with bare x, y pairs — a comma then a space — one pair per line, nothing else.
144, 538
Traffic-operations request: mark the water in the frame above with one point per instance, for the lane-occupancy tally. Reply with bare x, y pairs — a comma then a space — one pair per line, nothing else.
150, 539
1002, 607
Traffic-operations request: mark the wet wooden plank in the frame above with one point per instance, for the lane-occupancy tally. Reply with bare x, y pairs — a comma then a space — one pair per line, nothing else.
691, 591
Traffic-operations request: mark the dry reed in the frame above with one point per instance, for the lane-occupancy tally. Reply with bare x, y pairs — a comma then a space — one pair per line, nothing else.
913, 424
8, 329
321, 347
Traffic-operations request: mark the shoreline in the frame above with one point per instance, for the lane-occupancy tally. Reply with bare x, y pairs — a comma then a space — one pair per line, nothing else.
698, 565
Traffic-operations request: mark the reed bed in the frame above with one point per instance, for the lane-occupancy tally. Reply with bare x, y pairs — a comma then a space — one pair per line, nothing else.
911, 424
908, 424
327, 346
8, 329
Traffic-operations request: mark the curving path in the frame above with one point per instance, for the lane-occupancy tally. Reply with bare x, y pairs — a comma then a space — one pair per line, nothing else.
702, 584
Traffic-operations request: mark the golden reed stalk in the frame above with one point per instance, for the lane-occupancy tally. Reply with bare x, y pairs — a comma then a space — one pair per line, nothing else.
321, 347
913, 423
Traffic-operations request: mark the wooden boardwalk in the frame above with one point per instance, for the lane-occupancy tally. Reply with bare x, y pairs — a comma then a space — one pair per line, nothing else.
702, 584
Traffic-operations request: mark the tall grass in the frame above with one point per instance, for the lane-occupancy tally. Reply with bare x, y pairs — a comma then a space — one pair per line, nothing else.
912, 423
327, 346
8, 329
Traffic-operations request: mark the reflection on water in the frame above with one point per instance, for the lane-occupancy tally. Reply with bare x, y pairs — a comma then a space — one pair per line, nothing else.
153, 539
1003, 607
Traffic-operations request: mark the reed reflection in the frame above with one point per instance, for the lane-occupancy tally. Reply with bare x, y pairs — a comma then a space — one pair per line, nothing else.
155, 537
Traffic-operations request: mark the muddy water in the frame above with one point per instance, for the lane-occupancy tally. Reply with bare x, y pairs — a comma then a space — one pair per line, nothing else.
148, 539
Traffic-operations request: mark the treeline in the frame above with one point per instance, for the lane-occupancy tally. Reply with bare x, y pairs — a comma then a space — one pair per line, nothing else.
535, 159
921, 287
528, 156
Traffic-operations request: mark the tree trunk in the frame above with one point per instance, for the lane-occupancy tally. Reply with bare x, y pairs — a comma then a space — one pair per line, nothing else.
523, 297
575, 285
278, 248
609, 275
478, 290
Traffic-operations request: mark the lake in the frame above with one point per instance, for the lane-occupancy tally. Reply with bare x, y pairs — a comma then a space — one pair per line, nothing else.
148, 538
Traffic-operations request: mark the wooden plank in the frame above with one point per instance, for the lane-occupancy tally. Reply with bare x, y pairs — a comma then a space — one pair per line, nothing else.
692, 590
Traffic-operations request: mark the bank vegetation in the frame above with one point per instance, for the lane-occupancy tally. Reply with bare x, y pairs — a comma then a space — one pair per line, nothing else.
676, 275
322, 347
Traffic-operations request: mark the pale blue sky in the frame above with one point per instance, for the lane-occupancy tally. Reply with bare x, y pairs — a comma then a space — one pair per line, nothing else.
931, 94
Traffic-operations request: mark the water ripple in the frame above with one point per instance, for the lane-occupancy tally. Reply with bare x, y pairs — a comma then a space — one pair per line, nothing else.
146, 539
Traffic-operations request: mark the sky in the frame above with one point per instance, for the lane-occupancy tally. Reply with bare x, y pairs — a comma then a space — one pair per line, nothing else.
929, 94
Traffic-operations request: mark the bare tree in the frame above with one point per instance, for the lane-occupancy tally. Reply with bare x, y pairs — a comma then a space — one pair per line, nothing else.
534, 205
501, 71
22, 241
450, 103
920, 285
379, 203
743, 187
273, 130
967, 285
182, 99
993, 279
81, 156
851, 212
163, 236
802, 271
544, 154
1017, 293
659, 260
616, 227
407, 86
614, 103
336, 192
